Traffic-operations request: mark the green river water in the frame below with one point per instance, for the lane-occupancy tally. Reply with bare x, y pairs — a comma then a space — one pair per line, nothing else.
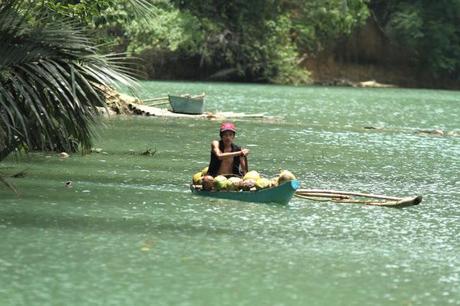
129, 232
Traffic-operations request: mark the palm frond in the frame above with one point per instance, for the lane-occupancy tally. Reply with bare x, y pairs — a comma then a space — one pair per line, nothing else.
8, 184
51, 77
141, 7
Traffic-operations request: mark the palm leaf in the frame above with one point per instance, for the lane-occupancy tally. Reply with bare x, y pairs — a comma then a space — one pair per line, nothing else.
8, 184
51, 77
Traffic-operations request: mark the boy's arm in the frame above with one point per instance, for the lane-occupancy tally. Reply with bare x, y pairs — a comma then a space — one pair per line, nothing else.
220, 155
244, 165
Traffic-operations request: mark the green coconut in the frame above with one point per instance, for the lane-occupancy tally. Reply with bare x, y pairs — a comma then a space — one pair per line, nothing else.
197, 178
285, 176
262, 183
204, 171
233, 183
220, 182
248, 184
252, 175
274, 182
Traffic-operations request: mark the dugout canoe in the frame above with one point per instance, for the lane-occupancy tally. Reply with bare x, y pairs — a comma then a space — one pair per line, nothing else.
281, 194
187, 104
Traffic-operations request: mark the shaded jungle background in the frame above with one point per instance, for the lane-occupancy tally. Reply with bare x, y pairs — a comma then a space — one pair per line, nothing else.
338, 42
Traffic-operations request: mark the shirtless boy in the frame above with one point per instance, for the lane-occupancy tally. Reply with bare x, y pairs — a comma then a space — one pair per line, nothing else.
226, 157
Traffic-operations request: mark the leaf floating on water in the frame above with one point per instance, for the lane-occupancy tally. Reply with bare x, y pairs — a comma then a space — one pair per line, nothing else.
147, 245
63, 155
9, 185
20, 173
149, 152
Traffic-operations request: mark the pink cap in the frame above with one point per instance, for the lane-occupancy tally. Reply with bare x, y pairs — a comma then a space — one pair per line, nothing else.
227, 126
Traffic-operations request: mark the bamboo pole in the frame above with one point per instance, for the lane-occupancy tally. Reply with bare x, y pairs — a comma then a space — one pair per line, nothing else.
342, 200
323, 195
156, 99
409, 201
356, 194
159, 103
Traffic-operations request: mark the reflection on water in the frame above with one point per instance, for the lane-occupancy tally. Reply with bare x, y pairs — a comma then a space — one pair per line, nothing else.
130, 232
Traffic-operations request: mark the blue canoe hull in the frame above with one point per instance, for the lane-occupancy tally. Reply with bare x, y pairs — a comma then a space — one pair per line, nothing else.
281, 194
186, 105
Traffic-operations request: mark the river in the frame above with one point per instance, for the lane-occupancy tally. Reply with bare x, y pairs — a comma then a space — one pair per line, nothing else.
129, 232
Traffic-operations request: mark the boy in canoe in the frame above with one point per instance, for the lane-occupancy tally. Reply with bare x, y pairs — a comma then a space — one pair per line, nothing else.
226, 157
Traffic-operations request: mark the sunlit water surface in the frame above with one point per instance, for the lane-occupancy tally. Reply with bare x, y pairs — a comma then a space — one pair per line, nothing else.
129, 232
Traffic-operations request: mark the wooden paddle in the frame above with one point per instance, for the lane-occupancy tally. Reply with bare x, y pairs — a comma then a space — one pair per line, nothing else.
246, 167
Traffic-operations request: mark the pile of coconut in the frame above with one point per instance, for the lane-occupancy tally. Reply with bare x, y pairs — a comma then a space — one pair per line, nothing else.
250, 182
117, 103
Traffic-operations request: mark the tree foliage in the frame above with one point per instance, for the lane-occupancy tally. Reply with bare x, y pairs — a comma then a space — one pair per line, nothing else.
261, 40
264, 40
51, 76
430, 28
258, 40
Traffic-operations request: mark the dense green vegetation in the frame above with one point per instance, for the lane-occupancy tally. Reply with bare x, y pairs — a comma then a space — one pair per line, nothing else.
263, 41
259, 41
51, 81
431, 29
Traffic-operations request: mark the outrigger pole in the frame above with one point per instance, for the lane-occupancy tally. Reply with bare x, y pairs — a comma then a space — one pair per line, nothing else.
350, 197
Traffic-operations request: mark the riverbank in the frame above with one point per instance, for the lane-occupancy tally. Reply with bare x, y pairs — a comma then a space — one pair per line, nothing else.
327, 71
124, 104
368, 54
